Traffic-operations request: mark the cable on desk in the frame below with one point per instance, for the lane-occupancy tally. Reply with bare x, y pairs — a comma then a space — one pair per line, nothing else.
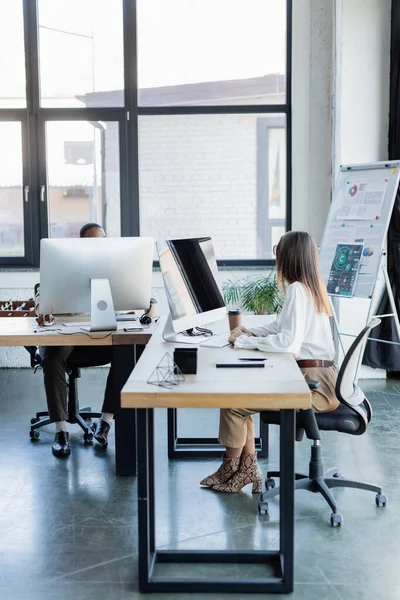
61, 332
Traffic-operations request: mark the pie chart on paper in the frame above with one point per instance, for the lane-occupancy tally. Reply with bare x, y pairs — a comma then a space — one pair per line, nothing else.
353, 190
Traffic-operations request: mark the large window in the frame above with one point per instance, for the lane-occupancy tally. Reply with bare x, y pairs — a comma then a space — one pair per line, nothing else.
214, 175
168, 118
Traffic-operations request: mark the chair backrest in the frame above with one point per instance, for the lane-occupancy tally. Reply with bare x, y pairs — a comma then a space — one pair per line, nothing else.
347, 390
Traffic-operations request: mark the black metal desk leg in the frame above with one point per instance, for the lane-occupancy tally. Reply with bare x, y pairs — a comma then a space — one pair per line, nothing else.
150, 466
204, 447
286, 501
263, 447
125, 358
146, 525
172, 431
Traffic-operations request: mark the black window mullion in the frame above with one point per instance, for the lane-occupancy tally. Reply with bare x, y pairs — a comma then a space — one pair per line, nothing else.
224, 109
130, 218
83, 114
32, 97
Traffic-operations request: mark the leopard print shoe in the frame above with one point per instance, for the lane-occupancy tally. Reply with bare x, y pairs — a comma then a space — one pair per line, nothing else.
248, 472
225, 472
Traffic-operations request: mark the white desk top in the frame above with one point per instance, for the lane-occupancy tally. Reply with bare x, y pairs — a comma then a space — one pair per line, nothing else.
24, 331
280, 384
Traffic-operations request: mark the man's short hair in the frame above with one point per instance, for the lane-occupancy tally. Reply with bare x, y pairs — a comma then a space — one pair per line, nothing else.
85, 228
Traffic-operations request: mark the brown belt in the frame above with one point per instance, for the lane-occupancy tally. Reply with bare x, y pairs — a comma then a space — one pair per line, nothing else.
306, 364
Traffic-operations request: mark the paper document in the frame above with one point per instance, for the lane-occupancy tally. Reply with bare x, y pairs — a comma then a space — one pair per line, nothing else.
362, 199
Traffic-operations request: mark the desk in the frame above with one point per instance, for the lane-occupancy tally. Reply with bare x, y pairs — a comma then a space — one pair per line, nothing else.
280, 386
127, 347
207, 447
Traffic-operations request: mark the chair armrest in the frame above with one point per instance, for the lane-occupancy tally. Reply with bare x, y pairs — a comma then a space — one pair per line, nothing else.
312, 384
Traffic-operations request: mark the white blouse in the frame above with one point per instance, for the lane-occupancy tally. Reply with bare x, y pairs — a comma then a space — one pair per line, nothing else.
299, 329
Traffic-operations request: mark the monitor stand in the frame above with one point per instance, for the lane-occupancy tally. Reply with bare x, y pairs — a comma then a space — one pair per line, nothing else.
170, 335
102, 306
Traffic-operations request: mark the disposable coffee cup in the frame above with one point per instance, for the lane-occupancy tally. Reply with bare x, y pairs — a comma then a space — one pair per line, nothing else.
153, 308
235, 318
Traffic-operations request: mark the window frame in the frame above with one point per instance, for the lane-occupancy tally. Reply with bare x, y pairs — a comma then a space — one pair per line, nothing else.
34, 117
267, 109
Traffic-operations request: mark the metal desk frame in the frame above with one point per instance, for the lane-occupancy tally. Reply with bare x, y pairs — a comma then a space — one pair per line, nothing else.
204, 447
282, 560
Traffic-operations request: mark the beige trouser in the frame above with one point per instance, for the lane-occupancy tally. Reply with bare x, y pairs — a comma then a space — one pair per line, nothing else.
236, 424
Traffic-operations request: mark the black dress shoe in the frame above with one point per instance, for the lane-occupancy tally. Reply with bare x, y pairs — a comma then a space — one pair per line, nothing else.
100, 431
61, 444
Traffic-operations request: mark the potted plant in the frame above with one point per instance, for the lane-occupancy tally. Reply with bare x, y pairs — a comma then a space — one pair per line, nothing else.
256, 294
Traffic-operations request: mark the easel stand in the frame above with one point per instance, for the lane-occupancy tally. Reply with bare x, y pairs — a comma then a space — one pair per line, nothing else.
357, 229
374, 303
375, 299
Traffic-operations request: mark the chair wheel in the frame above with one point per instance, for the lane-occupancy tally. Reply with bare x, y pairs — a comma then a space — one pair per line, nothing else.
336, 519
34, 435
381, 500
263, 508
270, 483
34, 420
88, 438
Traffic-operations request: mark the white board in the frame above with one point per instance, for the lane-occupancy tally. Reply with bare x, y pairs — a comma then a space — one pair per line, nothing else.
360, 213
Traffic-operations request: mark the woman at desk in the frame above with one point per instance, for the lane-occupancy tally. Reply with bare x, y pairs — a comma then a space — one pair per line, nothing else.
303, 329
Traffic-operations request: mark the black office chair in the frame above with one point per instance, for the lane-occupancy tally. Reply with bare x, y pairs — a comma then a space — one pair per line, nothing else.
352, 416
75, 414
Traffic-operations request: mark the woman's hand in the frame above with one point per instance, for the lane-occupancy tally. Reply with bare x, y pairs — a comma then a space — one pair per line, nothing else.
44, 320
237, 332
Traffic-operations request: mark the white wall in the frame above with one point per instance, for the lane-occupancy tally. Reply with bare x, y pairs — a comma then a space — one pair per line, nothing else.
312, 82
365, 50
363, 109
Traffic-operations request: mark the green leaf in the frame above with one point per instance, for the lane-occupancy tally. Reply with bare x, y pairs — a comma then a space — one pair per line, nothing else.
256, 294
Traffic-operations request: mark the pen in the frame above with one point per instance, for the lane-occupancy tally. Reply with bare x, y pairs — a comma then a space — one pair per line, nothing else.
252, 359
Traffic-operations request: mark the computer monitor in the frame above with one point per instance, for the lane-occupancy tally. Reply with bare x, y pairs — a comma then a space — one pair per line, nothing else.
96, 276
190, 276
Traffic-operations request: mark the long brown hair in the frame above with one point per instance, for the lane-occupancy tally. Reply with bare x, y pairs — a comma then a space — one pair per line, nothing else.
297, 260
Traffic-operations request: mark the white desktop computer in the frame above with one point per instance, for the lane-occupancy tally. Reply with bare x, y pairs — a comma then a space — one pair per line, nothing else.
190, 274
96, 276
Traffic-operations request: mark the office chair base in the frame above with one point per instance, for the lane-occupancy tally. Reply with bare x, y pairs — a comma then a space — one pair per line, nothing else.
42, 419
319, 485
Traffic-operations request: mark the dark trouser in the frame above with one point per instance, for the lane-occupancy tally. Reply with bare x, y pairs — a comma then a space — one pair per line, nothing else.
54, 361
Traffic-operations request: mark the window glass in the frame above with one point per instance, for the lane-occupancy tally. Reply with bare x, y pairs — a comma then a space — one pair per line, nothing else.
81, 53
211, 52
217, 175
12, 55
83, 180
11, 190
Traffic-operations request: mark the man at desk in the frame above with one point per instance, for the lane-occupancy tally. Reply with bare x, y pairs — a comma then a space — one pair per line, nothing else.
54, 362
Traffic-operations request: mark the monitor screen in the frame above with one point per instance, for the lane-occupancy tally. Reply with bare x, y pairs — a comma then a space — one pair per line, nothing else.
190, 275
68, 266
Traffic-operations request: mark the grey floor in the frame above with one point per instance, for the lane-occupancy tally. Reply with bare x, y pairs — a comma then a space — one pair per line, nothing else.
68, 527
